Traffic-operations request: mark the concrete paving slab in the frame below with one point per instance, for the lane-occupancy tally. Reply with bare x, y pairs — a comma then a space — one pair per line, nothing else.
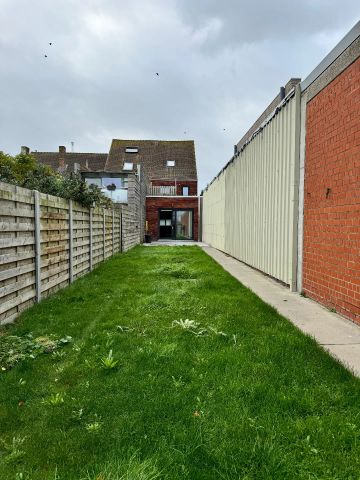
340, 337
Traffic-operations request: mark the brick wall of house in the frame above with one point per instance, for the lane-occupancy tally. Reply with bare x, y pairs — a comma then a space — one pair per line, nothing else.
331, 264
153, 204
184, 183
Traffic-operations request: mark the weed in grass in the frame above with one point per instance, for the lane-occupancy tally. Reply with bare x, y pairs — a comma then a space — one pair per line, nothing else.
21, 476
13, 451
54, 400
95, 425
77, 415
178, 382
57, 356
122, 469
124, 328
190, 326
15, 349
109, 362
218, 333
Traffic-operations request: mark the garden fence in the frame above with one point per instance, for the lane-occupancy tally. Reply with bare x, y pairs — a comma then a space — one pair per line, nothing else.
46, 242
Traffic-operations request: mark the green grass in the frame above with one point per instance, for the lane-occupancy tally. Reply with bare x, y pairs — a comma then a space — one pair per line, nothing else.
234, 393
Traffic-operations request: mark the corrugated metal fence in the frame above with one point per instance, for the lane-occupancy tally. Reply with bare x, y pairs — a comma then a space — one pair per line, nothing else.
250, 209
46, 242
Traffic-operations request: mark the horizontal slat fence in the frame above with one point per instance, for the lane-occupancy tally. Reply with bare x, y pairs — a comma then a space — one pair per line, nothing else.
46, 242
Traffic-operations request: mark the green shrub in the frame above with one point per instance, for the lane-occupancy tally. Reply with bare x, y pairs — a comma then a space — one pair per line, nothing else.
24, 170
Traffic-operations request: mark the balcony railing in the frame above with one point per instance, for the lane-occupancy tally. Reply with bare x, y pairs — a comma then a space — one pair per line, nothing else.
161, 190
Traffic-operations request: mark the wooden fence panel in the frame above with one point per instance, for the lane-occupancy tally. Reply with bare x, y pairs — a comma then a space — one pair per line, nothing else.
17, 251
46, 242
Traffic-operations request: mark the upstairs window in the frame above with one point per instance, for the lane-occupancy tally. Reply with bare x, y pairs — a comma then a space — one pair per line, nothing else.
93, 181
170, 163
185, 191
131, 149
128, 166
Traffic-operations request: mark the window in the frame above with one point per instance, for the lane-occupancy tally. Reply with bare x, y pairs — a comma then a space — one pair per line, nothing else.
93, 181
131, 149
128, 166
170, 163
110, 181
185, 191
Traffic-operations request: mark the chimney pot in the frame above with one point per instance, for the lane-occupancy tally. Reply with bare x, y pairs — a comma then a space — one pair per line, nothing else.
62, 149
25, 150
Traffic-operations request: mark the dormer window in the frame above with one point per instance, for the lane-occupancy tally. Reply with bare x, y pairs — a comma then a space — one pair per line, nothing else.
170, 163
131, 150
128, 166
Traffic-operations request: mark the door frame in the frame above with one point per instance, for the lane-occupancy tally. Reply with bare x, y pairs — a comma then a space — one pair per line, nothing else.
173, 223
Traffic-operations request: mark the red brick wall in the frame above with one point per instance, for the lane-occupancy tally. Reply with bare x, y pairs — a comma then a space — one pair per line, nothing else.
152, 211
191, 184
331, 264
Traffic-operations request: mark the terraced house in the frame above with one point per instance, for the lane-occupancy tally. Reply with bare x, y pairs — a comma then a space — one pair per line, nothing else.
171, 198
166, 170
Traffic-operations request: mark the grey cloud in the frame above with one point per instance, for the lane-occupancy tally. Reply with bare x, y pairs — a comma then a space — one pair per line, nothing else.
99, 81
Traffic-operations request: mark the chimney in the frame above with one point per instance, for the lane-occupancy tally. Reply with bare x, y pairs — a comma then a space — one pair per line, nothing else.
61, 156
25, 150
282, 93
235, 149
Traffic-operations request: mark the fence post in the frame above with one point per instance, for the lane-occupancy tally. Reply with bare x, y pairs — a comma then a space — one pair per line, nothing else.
37, 246
91, 239
112, 229
121, 229
71, 243
104, 231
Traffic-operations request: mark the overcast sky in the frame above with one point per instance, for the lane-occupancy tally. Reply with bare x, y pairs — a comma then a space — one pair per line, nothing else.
219, 63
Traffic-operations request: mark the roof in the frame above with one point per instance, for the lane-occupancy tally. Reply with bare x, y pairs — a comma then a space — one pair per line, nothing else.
153, 156
89, 162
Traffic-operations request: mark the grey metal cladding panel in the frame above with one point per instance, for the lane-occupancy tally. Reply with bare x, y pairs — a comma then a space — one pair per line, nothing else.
349, 38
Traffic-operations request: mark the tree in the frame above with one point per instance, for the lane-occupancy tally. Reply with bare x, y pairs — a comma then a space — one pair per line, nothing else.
25, 171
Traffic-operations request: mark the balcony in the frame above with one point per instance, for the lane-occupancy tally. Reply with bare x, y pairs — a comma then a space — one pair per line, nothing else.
161, 190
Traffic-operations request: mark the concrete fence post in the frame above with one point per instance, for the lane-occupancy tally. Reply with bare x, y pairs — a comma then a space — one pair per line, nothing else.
71, 243
104, 232
121, 230
112, 232
91, 239
37, 246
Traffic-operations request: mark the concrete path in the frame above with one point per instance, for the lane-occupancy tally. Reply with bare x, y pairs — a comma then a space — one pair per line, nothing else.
340, 337
174, 243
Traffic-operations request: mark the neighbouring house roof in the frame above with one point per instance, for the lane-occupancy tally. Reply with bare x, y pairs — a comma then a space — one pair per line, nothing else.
65, 162
153, 155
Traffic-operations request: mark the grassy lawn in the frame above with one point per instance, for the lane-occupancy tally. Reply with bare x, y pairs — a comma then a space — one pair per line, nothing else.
240, 394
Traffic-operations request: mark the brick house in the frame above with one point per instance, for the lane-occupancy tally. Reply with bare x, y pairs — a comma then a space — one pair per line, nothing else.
168, 170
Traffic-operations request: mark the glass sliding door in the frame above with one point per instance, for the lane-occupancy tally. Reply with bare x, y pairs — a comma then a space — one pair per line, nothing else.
184, 224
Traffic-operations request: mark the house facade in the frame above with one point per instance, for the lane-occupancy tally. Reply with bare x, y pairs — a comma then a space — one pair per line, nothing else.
171, 178
168, 174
